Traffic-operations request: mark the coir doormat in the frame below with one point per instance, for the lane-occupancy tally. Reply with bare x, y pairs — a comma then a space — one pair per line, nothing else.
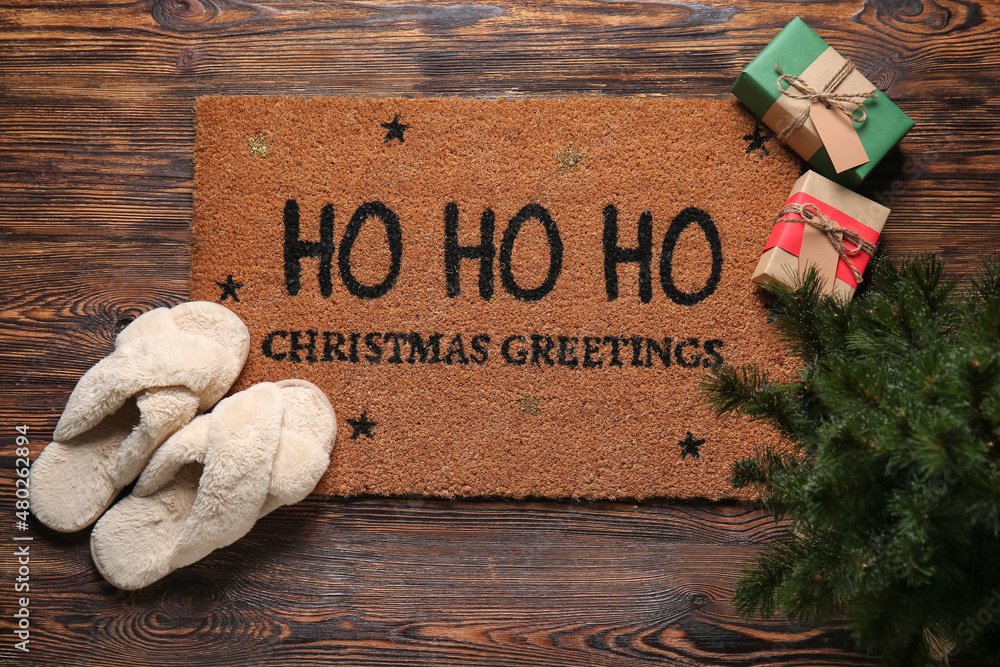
509, 297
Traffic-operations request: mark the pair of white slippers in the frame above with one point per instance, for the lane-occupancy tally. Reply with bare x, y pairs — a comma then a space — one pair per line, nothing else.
203, 481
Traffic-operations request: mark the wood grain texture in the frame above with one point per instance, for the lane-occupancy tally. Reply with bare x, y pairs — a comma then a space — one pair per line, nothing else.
96, 137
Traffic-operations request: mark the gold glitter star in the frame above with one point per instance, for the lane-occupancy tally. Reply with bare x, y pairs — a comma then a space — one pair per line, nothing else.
529, 405
568, 159
260, 146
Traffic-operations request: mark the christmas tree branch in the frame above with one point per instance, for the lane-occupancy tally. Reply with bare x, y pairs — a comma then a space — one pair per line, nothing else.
891, 488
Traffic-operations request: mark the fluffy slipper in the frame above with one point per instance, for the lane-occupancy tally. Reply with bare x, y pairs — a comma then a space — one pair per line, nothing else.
207, 485
167, 366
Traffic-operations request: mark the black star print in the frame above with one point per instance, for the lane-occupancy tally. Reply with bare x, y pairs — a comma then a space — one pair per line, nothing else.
756, 140
396, 130
361, 426
690, 446
229, 288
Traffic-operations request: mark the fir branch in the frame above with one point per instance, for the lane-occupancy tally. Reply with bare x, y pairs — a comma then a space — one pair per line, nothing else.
893, 490
749, 391
760, 470
757, 593
810, 324
730, 388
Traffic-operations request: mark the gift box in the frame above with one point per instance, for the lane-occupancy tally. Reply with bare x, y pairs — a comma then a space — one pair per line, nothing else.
827, 226
806, 92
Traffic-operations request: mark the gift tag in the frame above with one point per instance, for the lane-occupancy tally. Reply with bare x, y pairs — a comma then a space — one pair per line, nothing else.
839, 136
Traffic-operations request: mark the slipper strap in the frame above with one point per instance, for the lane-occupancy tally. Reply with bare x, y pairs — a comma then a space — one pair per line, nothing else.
298, 466
205, 367
242, 443
188, 445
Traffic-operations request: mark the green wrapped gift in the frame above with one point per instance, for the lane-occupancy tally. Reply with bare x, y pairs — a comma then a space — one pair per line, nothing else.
798, 83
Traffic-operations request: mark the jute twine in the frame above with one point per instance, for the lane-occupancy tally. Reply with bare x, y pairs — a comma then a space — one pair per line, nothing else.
809, 214
826, 95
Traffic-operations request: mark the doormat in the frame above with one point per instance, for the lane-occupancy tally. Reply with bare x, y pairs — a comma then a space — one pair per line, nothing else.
500, 297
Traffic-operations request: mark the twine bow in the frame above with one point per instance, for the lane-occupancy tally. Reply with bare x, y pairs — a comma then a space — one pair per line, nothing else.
809, 214
826, 95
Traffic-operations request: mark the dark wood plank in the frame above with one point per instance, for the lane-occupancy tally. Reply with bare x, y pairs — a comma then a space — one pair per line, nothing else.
96, 178
415, 581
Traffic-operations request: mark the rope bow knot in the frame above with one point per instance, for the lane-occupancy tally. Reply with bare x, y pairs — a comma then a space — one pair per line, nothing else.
826, 95
810, 215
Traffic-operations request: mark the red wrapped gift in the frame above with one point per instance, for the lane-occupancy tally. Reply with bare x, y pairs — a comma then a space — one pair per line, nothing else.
827, 226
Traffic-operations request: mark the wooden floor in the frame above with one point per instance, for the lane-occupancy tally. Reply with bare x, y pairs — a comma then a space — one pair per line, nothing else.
96, 135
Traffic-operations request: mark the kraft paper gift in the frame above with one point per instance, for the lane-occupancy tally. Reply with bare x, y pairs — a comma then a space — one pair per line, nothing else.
817, 217
799, 78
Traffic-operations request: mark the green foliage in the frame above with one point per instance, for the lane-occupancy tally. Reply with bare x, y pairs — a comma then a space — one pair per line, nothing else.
892, 491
